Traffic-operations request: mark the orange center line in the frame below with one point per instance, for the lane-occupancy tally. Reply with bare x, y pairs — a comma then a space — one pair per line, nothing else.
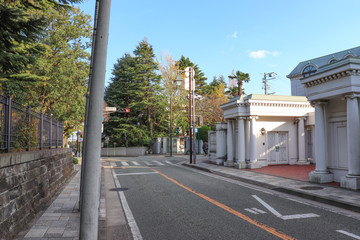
236, 213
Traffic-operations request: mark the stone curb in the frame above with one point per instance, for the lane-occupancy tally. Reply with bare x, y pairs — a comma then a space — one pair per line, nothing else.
295, 192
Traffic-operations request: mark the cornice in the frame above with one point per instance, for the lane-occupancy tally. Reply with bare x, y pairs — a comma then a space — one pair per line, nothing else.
317, 81
274, 104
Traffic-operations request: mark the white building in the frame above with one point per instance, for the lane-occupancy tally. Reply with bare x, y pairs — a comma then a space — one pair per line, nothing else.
332, 84
264, 130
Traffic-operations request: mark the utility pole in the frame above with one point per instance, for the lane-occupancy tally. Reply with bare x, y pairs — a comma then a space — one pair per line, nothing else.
190, 114
91, 175
271, 76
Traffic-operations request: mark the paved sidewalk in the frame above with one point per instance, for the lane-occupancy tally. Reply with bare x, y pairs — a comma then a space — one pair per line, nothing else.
324, 193
61, 220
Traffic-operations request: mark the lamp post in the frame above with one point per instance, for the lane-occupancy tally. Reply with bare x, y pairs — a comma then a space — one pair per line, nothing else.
190, 73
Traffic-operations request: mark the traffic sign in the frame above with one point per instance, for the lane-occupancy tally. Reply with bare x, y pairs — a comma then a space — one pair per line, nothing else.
80, 139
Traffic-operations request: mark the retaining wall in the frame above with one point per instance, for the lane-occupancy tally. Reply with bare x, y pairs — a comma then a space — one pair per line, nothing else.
28, 180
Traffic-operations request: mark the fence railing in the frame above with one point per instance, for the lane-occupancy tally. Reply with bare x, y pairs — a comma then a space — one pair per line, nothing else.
24, 129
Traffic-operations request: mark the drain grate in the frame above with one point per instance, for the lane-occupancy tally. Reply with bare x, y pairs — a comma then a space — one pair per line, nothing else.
118, 189
311, 188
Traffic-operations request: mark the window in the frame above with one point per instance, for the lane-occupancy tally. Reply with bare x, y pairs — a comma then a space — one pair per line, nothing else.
348, 55
332, 60
309, 70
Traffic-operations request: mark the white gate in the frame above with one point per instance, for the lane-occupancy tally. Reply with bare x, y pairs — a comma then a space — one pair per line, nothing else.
277, 148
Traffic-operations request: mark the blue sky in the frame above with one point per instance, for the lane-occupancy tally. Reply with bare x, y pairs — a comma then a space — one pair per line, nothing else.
253, 36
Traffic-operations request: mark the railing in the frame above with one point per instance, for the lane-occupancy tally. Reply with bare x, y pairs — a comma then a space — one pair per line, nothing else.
24, 129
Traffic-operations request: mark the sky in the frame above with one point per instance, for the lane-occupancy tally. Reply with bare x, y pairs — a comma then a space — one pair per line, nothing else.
253, 36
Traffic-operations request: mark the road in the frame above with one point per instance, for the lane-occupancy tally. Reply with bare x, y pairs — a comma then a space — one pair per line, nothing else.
164, 200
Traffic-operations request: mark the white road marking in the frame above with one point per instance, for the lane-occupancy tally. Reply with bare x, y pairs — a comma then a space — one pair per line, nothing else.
252, 211
348, 234
124, 163
129, 216
136, 173
136, 163
147, 163
258, 210
159, 163
267, 206
286, 217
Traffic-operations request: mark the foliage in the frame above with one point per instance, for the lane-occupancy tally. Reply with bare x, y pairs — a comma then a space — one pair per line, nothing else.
175, 96
200, 79
210, 88
136, 85
209, 107
56, 82
203, 132
241, 78
75, 160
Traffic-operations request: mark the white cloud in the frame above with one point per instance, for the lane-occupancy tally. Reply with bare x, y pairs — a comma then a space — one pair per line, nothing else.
263, 53
234, 35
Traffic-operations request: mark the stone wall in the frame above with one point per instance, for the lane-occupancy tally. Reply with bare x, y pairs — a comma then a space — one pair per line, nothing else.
28, 180
123, 152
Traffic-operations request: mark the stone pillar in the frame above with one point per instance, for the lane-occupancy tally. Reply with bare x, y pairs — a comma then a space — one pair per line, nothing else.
163, 144
301, 142
352, 179
221, 143
247, 139
241, 143
230, 144
253, 160
321, 174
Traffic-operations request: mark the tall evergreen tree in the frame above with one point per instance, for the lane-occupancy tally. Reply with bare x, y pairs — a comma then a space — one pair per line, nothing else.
200, 79
150, 90
136, 85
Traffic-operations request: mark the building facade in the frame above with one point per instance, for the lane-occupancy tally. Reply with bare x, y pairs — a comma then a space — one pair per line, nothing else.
332, 85
264, 130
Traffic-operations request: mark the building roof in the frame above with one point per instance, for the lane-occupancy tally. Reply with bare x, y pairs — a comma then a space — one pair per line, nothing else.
324, 60
269, 98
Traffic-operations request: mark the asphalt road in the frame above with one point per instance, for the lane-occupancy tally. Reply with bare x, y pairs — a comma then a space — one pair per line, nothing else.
168, 201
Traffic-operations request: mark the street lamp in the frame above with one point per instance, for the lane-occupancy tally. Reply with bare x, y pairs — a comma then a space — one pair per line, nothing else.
190, 73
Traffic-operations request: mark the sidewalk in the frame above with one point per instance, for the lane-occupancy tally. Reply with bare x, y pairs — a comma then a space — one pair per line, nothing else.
61, 220
265, 177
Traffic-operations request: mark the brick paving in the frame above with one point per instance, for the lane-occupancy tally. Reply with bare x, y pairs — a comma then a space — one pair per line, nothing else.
61, 220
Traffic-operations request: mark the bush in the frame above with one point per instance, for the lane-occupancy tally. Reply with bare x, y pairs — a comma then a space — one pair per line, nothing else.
75, 160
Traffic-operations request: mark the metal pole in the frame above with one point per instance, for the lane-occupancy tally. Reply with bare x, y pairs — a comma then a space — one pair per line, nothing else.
171, 130
9, 122
83, 160
91, 187
193, 118
190, 116
265, 84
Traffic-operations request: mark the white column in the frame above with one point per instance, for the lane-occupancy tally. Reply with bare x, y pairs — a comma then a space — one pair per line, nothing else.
301, 141
241, 139
353, 134
247, 139
320, 138
352, 179
321, 174
230, 144
253, 160
220, 142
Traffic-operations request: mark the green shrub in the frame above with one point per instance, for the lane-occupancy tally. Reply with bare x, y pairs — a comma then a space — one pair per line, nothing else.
75, 160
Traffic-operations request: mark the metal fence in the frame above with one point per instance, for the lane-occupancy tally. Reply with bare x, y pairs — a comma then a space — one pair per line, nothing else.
24, 129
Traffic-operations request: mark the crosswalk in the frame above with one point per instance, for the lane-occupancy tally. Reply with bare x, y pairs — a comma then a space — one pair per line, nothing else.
141, 163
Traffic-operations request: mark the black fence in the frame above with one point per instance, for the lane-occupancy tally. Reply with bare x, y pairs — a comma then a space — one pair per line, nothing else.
24, 129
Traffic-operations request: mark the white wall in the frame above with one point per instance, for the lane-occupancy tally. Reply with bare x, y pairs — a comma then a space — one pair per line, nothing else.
297, 88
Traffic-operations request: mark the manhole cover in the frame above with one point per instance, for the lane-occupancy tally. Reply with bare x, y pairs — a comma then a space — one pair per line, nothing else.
312, 188
118, 189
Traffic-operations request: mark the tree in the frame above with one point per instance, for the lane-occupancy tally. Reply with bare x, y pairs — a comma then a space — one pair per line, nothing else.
209, 107
241, 78
175, 96
200, 79
150, 89
210, 88
136, 85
